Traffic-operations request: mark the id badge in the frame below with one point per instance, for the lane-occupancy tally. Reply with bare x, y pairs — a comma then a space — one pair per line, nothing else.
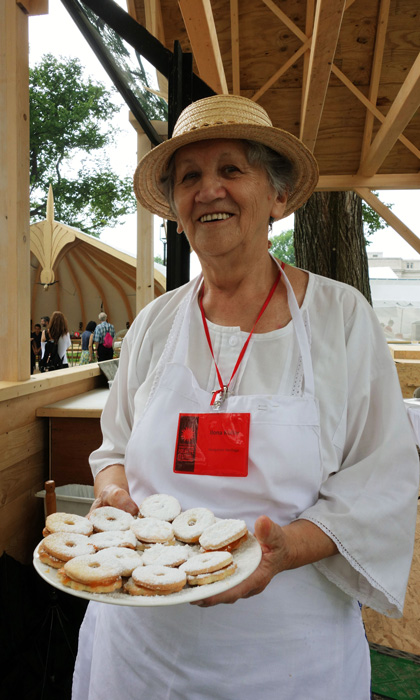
215, 444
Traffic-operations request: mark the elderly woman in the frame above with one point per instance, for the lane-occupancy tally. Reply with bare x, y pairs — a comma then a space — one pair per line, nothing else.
327, 476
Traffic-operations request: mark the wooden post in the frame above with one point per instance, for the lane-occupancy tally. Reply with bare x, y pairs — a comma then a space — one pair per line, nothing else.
50, 497
14, 193
145, 280
180, 95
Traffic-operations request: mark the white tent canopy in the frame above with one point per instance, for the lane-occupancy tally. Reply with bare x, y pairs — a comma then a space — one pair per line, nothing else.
382, 273
397, 305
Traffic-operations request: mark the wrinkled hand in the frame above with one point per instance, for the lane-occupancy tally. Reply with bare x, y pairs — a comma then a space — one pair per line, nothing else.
114, 495
275, 558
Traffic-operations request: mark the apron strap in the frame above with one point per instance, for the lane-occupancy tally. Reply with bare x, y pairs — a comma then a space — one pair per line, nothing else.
301, 337
176, 348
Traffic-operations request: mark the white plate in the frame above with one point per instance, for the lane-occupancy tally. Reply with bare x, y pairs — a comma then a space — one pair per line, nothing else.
247, 557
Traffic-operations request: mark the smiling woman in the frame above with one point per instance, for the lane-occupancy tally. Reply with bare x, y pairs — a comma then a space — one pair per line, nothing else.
278, 169
223, 204
253, 351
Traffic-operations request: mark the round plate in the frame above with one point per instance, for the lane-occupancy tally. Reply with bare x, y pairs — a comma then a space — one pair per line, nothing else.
247, 557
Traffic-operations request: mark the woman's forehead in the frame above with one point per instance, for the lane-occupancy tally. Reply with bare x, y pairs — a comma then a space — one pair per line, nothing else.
209, 147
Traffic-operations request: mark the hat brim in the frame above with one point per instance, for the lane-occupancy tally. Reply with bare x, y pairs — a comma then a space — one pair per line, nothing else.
153, 165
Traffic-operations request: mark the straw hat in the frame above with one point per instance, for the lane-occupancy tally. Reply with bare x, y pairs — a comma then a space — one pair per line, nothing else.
224, 117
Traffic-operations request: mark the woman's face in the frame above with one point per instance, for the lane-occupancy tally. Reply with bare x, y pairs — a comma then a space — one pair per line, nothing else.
223, 203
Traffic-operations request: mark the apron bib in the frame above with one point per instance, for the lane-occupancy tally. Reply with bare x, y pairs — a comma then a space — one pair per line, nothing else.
302, 630
284, 468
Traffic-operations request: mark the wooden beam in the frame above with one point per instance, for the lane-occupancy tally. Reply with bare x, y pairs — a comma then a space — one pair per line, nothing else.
401, 112
309, 27
375, 75
145, 282
392, 181
286, 20
328, 18
390, 218
281, 70
201, 29
75, 280
109, 262
33, 7
154, 21
14, 193
101, 293
114, 283
35, 288
234, 42
371, 107
131, 9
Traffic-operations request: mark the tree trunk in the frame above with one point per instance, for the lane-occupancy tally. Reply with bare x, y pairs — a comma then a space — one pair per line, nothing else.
329, 239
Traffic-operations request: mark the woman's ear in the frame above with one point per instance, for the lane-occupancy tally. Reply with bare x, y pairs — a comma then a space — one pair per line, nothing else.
179, 227
279, 206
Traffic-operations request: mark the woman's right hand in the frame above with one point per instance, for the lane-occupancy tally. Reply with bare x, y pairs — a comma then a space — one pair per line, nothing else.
111, 489
114, 495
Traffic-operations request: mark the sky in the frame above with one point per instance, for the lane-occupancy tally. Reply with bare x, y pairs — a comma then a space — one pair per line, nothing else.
46, 35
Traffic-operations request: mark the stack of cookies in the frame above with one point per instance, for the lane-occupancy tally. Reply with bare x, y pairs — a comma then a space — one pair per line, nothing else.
159, 552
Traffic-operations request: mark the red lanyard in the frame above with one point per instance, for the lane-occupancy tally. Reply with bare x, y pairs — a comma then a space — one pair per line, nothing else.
224, 387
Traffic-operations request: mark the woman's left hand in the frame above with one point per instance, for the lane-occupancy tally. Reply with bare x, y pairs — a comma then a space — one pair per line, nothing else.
296, 544
275, 558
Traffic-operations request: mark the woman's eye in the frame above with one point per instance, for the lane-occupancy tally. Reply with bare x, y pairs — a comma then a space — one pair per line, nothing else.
231, 169
189, 176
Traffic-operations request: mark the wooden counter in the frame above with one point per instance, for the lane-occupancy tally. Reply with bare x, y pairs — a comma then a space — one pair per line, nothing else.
89, 405
74, 432
404, 351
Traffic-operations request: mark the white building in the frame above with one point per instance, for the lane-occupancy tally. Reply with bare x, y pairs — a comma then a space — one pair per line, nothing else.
395, 288
403, 269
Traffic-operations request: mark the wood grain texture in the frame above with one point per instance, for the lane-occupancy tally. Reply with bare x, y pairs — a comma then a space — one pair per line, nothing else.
72, 441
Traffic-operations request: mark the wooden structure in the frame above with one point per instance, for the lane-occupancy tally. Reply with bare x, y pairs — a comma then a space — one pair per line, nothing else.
343, 75
78, 415
80, 276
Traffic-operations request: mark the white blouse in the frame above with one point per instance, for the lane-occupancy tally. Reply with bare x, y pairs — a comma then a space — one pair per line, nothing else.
368, 498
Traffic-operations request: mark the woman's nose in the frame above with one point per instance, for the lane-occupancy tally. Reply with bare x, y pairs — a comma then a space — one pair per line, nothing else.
210, 188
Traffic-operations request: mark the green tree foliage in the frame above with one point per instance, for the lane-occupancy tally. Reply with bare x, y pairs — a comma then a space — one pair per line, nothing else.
282, 246
131, 66
372, 222
71, 123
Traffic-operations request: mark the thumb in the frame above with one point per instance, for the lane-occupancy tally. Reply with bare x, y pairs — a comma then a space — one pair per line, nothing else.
265, 532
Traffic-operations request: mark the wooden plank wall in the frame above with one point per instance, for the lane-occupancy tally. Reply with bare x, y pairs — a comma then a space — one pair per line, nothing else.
24, 453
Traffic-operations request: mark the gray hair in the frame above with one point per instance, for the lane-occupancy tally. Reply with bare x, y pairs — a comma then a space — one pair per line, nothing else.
279, 170
102, 317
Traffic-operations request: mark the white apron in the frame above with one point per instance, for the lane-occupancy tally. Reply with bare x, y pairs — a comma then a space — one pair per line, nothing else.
302, 638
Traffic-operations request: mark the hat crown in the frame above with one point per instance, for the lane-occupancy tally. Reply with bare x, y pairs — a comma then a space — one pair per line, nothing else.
220, 110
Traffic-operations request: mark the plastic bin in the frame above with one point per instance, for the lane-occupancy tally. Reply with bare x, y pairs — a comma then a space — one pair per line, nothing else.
72, 498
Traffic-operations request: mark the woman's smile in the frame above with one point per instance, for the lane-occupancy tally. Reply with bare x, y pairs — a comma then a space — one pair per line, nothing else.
219, 216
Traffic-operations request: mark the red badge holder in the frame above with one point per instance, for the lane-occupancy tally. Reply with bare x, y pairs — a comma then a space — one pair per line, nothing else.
215, 444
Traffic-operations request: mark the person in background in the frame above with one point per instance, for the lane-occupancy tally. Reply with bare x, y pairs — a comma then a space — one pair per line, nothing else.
86, 355
35, 345
327, 474
44, 322
100, 338
58, 332
44, 325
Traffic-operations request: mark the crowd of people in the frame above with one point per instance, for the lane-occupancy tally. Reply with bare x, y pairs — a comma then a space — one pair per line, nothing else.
51, 340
